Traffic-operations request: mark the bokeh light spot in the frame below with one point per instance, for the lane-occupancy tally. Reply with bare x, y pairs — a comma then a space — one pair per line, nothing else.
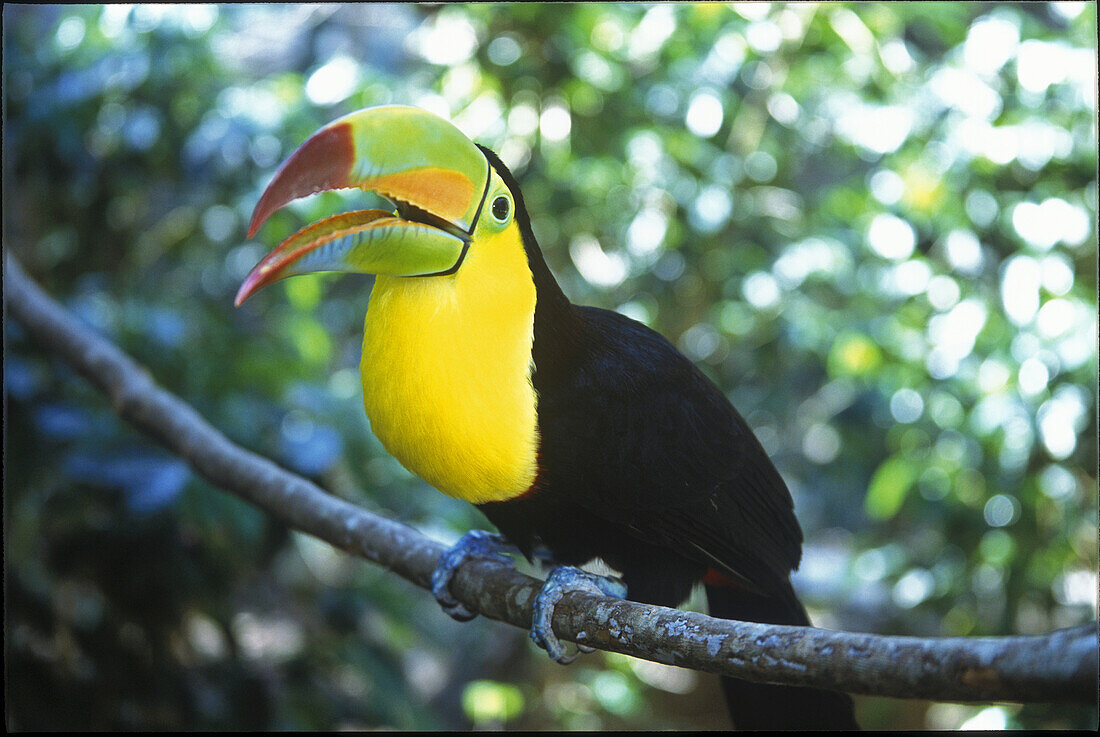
704, 114
891, 237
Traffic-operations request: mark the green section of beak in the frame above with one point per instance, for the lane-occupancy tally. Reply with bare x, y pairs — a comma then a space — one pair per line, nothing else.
434, 174
417, 157
403, 153
364, 242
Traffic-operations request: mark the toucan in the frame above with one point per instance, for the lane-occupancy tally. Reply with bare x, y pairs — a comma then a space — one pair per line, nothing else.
580, 433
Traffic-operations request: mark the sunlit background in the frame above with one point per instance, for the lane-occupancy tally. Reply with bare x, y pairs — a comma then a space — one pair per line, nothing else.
873, 225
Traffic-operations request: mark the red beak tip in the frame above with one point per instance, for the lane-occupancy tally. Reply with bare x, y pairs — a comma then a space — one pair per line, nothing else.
323, 162
258, 219
248, 287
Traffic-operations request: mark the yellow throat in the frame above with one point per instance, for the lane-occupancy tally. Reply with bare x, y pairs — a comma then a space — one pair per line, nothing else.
446, 372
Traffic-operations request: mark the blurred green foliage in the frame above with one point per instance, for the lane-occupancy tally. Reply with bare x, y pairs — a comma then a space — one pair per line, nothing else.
873, 224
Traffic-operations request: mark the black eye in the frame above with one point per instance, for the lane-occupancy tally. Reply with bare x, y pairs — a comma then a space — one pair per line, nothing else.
500, 209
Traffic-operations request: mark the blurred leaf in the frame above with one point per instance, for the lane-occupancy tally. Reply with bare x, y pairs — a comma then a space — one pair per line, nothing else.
853, 354
888, 487
490, 701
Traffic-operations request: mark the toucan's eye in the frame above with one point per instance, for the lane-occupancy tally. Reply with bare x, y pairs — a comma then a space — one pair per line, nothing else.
501, 208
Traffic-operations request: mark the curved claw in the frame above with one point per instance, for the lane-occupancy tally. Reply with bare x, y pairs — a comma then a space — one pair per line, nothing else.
474, 544
561, 581
542, 554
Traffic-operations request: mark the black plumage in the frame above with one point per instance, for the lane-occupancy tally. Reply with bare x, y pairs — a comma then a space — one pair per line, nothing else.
645, 464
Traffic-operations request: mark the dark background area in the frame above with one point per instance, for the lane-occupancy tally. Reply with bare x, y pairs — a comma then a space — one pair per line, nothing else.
874, 225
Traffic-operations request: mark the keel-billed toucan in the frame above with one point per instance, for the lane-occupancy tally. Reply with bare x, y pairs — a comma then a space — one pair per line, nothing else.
573, 429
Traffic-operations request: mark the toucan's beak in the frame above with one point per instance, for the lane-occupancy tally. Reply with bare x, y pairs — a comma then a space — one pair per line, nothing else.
434, 175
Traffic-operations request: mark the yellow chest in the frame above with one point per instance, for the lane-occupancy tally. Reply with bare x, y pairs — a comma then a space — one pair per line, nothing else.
446, 375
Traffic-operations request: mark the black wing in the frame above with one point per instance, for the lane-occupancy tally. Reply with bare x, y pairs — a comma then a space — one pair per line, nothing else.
636, 435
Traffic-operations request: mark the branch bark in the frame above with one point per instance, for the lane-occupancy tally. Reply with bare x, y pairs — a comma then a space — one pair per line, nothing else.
1058, 667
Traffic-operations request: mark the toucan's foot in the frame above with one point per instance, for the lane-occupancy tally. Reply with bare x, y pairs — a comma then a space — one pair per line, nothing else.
561, 581
474, 544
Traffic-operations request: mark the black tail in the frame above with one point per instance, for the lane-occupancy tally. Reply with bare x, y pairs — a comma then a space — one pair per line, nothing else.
762, 706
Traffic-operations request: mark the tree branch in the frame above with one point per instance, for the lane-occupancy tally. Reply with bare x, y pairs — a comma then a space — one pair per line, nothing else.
1058, 667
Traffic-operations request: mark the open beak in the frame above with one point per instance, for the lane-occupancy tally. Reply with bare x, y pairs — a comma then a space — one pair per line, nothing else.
434, 175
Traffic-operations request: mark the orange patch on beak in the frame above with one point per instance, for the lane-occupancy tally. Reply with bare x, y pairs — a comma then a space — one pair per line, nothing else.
442, 192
